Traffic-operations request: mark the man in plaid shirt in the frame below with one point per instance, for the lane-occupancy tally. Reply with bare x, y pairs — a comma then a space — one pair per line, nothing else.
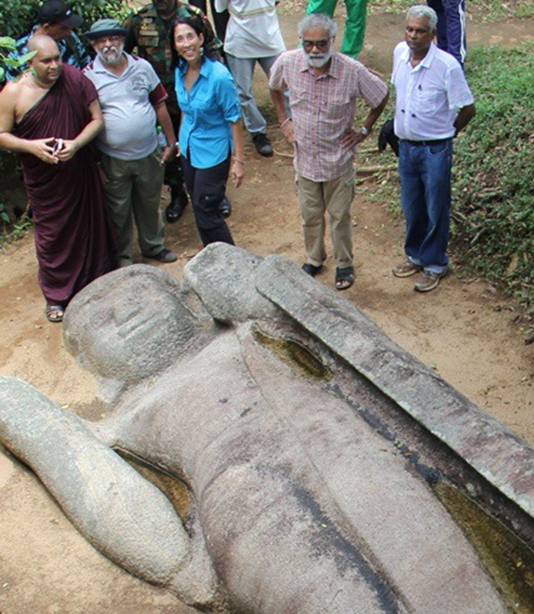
323, 87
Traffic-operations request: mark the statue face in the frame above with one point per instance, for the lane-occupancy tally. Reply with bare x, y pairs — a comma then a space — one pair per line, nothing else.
133, 326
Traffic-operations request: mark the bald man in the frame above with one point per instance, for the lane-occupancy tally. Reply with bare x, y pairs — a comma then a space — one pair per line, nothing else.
48, 117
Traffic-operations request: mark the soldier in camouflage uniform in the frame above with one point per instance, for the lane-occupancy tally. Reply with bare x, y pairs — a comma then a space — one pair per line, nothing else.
149, 31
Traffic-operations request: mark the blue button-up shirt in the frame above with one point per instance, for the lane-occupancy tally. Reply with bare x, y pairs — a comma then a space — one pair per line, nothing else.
208, 110
72, 51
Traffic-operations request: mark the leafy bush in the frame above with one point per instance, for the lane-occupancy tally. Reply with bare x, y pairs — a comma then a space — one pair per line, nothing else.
91, 10
7, 44
494, 171
18, 16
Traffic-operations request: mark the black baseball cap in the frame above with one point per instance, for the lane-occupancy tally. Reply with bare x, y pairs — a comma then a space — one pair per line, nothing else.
56, 11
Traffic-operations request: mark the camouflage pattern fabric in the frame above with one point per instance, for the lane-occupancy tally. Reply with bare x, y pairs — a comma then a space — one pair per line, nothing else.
149, 34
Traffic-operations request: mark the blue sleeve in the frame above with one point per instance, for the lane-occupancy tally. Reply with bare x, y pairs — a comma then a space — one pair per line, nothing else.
84, 59
227, 97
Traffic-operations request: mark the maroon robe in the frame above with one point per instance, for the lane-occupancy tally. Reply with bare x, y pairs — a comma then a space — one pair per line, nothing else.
73, 237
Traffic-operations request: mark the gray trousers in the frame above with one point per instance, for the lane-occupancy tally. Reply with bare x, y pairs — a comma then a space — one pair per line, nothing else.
242, 70
133, 190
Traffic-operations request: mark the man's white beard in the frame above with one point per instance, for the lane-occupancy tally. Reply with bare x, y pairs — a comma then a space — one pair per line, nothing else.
318, 61
112, 59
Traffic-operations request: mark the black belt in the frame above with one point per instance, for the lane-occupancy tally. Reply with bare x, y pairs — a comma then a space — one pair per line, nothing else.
422, 143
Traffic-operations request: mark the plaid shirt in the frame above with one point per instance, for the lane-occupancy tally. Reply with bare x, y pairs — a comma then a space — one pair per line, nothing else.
323, 109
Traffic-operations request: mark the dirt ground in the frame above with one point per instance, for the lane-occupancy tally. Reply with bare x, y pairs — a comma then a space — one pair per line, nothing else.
464, 330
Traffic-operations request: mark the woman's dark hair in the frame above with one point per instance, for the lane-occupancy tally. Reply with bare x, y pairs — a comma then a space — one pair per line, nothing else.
199, 25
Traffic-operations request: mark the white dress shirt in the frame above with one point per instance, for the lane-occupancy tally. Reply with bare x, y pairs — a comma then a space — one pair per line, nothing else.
253, 30
429, 96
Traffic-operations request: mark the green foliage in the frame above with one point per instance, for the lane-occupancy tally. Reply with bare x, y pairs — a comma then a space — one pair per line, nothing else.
494, 171
7, 45
11, 232
91, 10
18, 16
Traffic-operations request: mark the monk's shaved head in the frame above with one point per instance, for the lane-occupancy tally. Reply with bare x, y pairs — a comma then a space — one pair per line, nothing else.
43, 44
46, 63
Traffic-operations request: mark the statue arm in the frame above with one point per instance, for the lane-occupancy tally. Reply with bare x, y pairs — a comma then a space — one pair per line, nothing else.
115, 508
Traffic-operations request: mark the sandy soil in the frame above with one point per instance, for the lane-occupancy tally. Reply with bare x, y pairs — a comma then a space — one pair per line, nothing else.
465, 331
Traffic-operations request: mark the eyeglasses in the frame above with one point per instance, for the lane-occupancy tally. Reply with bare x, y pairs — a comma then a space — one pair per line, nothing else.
320, 45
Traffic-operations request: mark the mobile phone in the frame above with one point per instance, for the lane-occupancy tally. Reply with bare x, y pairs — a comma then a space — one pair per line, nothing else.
58, 146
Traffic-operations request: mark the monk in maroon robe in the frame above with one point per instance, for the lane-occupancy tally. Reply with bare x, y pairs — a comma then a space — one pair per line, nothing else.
55, 113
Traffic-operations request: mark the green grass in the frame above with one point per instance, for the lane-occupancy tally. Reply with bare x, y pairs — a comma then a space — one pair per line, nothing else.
12, 232
494, 172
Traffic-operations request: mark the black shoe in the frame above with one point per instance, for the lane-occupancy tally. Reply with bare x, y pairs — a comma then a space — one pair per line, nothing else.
311, 269
262, 144
178, 203
225, 207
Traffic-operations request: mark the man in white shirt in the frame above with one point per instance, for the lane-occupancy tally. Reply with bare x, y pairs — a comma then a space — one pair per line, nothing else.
253, 35
433, 103
132, 100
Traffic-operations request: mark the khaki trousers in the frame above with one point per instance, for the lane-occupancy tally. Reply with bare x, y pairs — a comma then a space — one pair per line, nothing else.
334, 197
133, 190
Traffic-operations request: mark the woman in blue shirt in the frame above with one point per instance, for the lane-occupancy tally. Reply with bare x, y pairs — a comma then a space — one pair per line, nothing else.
211, 125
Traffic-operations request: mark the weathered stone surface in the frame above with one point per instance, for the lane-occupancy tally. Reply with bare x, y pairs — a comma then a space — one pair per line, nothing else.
224, 277
129, 340
302, 507
493, 451
123, 515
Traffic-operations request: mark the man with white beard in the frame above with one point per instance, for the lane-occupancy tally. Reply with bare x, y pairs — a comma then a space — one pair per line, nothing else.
132, 100
323, 87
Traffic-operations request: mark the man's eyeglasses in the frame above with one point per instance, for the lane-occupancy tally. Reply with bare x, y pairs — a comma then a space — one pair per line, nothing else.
320, 45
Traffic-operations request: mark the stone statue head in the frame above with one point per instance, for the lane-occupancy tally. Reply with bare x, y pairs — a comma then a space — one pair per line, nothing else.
130, 324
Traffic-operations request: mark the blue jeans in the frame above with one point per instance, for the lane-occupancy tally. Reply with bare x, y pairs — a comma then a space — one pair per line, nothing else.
425, 175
